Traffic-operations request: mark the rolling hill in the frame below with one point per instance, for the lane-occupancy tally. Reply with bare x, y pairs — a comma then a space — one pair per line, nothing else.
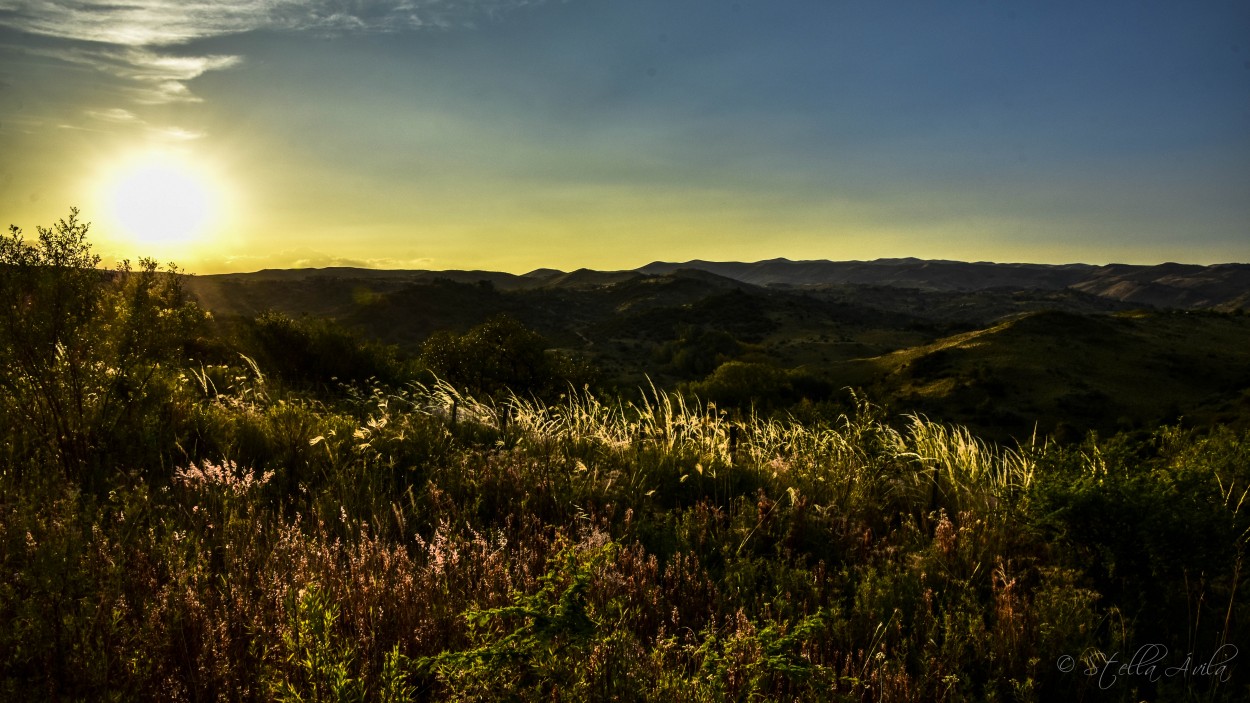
1002, 348
1068, 372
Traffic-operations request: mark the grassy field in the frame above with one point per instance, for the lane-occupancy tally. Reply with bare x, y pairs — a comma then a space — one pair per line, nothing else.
179, 522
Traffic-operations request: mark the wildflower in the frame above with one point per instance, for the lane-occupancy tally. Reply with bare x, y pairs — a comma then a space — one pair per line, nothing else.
944, 535
226, 475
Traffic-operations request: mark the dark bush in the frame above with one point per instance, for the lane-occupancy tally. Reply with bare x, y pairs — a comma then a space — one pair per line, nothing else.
319, 354
502, 355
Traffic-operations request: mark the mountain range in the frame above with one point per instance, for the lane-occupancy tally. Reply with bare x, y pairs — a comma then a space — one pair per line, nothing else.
1004, 348
1167, 285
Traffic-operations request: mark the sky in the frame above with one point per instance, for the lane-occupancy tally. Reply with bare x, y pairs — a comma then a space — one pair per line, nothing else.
515, 134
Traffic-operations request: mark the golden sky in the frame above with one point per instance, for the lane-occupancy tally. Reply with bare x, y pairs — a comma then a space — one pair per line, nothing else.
512, 135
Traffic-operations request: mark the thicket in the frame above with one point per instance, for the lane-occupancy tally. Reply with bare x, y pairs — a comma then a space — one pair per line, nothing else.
405, 542
500, 357
318, 355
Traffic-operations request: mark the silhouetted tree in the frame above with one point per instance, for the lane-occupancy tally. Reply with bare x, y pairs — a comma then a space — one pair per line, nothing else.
81, 347
498, 355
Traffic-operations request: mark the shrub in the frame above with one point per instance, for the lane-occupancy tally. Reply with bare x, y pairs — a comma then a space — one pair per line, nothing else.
498, 356
87, 350
318, 354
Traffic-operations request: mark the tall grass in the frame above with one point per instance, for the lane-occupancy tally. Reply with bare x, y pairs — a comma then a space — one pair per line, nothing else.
419, 544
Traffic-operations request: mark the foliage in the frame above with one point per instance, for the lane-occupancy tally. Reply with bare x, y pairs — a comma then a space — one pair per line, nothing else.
698, 352
317, 354
552, 631
1155, 524
421, 543
321, 664
742, 384
601, 551
498, 356
87, 351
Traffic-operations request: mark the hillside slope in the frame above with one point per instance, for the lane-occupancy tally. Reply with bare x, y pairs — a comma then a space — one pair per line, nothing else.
1065, 371
1001, 360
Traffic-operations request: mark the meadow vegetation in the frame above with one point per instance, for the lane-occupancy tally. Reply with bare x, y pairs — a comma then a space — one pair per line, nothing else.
289, 513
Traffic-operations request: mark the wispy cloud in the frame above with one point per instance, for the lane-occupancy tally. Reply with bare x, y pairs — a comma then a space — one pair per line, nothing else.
151, 77
319, 260
310, 258
115, 115
118, 116
130, 39
174, 134
173, 22
133, 23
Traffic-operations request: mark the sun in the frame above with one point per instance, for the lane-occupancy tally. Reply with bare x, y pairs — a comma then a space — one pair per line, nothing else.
160, 199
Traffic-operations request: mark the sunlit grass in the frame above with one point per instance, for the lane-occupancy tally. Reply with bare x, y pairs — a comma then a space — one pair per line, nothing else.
382, 541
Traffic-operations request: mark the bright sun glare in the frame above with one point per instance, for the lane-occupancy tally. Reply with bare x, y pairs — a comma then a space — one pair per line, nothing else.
161, 200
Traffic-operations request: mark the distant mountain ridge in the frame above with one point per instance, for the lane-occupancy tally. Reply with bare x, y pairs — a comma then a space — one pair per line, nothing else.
1167, 285
904, 273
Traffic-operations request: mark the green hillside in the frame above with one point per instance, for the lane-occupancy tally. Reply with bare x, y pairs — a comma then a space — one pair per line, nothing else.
1005, 362
1069, 372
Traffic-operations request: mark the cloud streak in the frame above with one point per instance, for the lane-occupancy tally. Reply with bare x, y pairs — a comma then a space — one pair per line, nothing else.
145, 23
130, 39
118, 116
152, 78
312, 258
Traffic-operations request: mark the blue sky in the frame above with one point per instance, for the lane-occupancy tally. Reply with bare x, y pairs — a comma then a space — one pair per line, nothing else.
603, 133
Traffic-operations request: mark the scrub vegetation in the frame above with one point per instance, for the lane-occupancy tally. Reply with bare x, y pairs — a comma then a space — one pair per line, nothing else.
282, 511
